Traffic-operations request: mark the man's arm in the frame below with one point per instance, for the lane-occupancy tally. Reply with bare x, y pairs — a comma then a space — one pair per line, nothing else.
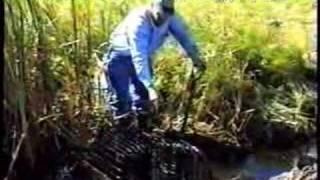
179, 30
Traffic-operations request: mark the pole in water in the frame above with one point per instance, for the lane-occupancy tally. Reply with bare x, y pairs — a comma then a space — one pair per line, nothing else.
190, 86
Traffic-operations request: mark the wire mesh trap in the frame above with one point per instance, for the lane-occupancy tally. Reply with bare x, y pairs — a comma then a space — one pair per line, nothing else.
137, 155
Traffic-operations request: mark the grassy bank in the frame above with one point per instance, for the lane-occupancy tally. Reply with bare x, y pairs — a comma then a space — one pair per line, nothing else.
258, 72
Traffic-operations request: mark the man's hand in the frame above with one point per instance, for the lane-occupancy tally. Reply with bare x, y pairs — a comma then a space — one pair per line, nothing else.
153, 96
199, 65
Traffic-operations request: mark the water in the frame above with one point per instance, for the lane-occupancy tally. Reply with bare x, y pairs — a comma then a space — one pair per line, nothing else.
254, 168
262, 165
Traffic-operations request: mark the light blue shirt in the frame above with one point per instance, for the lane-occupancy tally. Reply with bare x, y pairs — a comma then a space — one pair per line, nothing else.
139, 37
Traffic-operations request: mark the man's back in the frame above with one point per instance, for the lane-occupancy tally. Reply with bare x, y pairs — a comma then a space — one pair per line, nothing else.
138, 21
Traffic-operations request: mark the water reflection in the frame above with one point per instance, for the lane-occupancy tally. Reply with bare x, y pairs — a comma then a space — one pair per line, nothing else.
262, 165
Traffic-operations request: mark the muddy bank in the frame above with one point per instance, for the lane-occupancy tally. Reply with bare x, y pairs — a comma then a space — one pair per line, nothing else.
277, 136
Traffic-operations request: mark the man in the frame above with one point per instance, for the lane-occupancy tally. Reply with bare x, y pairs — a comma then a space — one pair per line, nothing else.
128, 65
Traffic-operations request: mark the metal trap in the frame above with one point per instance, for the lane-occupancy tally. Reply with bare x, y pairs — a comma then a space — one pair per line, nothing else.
136, 155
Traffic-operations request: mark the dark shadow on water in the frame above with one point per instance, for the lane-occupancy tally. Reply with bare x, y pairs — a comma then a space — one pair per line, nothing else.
228, 162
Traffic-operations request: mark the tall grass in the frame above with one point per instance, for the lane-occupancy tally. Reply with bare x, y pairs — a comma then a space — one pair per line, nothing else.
250, 47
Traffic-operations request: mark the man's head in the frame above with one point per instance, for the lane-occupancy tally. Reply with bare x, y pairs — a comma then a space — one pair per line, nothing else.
161, 11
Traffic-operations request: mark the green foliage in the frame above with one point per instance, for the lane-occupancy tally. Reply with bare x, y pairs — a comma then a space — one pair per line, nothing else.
250, 47
292, 105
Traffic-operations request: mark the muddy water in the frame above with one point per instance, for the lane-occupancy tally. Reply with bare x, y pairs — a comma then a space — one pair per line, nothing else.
262, 165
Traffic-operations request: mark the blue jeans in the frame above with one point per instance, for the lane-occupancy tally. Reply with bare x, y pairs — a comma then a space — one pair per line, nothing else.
125, 91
